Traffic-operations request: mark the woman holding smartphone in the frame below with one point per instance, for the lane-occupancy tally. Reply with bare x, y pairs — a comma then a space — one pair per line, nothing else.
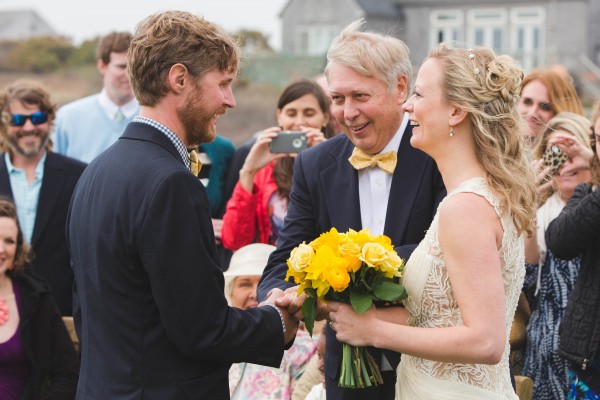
259, 201
549, 280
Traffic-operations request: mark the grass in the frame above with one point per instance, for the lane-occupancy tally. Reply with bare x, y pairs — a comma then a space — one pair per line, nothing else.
255, 108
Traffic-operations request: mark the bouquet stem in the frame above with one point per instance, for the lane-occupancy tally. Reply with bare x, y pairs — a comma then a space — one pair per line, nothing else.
359, 369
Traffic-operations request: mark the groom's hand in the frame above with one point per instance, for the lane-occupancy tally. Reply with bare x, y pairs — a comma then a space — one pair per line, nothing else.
290, 322
293, 303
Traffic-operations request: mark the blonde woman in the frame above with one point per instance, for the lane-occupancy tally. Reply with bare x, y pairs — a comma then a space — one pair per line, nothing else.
550, 280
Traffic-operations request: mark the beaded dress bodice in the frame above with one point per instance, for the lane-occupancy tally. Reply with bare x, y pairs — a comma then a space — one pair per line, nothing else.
431, 302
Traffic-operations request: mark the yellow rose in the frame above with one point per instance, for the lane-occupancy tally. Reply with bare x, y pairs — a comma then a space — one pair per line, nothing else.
385, 241
301, 257
392, 264
349, 249
373, 253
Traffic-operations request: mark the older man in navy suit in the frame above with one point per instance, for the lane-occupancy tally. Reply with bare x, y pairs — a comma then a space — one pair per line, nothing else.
153, 320
370, 177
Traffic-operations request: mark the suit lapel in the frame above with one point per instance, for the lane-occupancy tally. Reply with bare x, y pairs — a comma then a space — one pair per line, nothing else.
52, 185
404, 189
340, 181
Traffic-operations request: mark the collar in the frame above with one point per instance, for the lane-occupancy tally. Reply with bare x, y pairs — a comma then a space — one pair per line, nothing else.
11, 168
110, 108
181, 149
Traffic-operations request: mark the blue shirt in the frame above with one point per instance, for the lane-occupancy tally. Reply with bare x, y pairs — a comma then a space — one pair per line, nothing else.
26, 195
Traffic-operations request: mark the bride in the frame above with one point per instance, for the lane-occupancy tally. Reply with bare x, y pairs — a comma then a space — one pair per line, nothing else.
465, 277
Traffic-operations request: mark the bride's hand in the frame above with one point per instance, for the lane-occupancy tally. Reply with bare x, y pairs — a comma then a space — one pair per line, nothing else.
350, 327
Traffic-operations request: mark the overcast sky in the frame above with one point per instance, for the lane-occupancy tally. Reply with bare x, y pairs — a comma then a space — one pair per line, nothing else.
84, 19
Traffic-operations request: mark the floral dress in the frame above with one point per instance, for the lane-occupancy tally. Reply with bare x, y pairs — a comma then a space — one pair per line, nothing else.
257, 382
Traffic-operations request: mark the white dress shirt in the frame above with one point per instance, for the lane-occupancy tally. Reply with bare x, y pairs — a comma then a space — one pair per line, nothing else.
374, 188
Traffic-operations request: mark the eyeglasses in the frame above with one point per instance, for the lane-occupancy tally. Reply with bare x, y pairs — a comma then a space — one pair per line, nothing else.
36, 118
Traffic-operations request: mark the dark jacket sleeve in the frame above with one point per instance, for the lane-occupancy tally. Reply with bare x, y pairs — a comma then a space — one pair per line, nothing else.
187, 283
54, 361
300, 224
577, 226
64, 370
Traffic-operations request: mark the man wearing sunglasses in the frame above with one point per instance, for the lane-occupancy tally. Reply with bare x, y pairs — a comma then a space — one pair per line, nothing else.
88, 126
39, 181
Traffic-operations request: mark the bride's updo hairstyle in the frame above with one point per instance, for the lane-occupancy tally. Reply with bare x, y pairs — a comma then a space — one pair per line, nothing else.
487, 87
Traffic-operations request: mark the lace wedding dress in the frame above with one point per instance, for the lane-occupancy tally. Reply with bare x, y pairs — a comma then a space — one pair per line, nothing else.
431, 304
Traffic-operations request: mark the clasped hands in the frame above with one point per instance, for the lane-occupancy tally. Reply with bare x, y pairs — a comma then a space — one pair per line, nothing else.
349, 326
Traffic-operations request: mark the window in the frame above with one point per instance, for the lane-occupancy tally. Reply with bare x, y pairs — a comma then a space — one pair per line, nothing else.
487, 27
315, 40
446, 25
528, 35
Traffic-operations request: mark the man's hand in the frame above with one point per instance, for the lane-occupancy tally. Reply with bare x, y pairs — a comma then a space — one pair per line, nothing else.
293, 303
291, 323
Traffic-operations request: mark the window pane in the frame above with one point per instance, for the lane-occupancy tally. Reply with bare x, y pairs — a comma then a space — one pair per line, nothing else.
479, 35
497, 40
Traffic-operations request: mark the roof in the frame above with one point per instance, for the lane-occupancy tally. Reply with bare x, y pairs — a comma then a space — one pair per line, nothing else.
23, 24
379, 8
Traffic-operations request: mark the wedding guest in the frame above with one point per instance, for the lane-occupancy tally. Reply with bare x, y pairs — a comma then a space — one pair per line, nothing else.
550, 279
216, 157
251, 381
313, 372
369, 177
39, 181
88, 126
453, 335
260, 199
149, 302
37, 357
318, 391
576, 231
544, 94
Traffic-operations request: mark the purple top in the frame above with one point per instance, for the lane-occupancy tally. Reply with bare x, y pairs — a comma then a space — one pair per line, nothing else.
14, 364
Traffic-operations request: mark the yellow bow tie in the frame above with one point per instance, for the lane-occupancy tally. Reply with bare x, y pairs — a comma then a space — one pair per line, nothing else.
195, 164
386, 161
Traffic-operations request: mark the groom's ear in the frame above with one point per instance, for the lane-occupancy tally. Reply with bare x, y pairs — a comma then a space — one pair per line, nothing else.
458, 115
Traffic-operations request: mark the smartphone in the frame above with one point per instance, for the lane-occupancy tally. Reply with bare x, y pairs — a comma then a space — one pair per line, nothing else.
289, 142
554, 158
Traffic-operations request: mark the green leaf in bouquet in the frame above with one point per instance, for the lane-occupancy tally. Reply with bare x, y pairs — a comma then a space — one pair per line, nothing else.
389, 291
361, 302
310, 292
309, 309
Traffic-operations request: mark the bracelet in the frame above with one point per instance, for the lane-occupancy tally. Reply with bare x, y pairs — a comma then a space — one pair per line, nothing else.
280, 316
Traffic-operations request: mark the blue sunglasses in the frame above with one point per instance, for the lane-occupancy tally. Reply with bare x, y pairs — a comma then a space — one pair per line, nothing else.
37, 118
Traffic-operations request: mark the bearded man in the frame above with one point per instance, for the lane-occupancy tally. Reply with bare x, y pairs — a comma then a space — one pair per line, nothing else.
39, 181
150, 306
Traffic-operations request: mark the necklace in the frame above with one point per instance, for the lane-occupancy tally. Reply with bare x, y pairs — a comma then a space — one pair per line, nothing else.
3, 306
3, 311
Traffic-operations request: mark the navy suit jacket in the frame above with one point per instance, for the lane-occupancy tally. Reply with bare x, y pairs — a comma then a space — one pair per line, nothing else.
325, 195
51, 259
149, 302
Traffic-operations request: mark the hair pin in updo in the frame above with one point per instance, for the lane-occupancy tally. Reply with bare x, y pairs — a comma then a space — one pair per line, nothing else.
472, 58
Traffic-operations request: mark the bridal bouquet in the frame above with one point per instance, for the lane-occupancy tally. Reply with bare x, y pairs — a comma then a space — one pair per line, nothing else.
354, 268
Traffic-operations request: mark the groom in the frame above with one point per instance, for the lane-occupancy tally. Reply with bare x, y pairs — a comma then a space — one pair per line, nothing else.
368, 76
150, 308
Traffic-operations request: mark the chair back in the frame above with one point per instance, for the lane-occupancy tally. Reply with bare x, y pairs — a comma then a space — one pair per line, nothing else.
71, 329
